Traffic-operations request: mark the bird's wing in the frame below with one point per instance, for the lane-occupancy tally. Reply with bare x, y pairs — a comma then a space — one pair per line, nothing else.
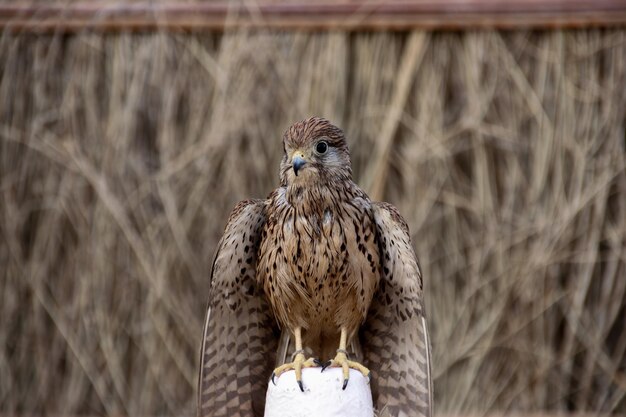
394, 337
240, 335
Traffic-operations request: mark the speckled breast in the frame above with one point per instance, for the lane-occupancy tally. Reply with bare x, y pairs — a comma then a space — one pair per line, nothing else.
320, 267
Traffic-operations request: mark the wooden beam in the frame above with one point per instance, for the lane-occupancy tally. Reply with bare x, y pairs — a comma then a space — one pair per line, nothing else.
347, 15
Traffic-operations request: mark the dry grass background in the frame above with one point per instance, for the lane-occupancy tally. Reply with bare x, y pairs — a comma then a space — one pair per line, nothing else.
121, 156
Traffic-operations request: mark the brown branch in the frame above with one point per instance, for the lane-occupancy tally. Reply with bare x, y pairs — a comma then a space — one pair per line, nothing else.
298, 14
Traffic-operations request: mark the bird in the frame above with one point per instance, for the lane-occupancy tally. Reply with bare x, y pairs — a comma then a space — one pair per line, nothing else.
319, 271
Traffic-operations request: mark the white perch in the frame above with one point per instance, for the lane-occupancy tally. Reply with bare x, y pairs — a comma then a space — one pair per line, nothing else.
322, 396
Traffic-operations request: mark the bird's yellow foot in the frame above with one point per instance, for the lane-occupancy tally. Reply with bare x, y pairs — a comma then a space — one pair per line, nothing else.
341, 361
299, 362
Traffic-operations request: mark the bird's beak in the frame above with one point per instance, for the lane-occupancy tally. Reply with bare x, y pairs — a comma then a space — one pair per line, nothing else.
298, 162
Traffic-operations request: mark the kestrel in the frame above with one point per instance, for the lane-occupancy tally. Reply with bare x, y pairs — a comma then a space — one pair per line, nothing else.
333, 270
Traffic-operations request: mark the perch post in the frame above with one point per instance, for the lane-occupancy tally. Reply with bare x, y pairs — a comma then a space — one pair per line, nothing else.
322, 396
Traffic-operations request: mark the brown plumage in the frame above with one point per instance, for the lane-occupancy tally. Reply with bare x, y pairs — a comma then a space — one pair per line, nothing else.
329, 267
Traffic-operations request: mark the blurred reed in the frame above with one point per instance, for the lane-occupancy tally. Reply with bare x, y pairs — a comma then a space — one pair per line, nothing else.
122, 154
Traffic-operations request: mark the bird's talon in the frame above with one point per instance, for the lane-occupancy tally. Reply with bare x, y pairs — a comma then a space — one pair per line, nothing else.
297, 365
318, 362
341, 361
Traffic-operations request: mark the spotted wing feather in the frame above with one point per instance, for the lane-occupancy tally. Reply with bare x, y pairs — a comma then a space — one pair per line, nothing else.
240, 338
394, 337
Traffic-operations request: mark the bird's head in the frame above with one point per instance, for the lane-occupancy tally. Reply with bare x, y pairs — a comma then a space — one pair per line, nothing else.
315, 152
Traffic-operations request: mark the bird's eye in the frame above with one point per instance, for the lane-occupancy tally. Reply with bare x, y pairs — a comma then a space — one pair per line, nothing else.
321, 147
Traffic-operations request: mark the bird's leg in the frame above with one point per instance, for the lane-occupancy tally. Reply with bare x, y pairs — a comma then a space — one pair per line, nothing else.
341, 361
299, 361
